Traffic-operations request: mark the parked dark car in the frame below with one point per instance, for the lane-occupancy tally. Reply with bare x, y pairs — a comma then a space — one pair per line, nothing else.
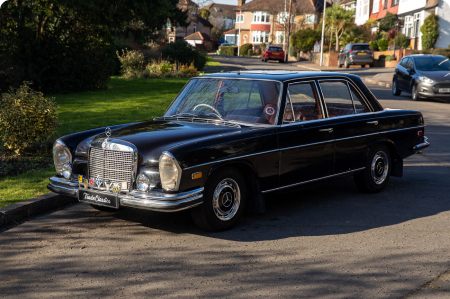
273, 53
424, 76
228, 139
356, 54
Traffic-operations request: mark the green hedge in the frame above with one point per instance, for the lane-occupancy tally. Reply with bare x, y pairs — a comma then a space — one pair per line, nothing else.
229, 51
245, 48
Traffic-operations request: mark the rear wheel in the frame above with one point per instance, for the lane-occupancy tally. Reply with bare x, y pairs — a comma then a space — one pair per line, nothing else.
363, 66
224, 201
281, 61
346, 63
375, 176
395, 90
339, 63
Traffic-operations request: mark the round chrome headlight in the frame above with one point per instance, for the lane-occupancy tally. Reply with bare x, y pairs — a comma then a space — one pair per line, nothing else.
61, 156
67, 170
169, 171
143, 182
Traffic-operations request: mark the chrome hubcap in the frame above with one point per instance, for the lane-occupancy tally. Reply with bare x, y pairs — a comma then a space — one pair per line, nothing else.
379, 168
226, 199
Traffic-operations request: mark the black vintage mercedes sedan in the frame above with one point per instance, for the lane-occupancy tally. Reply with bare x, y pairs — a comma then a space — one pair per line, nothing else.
230, 138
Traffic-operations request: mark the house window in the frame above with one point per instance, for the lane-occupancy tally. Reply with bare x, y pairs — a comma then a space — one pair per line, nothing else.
310, 19
195, 28
171, 39
385, 3
260, 36
261, 17
169, 25
240, 18
281, 18
394, 2
376, 6
416, 24
280, 37
366, 7
408, 27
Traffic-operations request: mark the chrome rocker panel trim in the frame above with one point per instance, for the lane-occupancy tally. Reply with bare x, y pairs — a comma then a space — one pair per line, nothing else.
153, 200
421, 146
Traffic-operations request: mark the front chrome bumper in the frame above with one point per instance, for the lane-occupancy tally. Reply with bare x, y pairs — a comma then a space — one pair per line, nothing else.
418, 148
152, 200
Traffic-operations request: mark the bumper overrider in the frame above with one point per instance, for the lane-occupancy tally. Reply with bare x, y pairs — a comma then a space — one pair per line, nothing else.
418, 148
151, 200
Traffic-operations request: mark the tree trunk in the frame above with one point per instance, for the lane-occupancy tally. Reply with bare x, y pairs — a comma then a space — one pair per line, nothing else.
337, 40
289, 32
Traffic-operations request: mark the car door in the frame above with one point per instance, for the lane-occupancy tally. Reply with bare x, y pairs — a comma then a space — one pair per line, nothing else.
410, 74
354, 123
305, 137
403, 74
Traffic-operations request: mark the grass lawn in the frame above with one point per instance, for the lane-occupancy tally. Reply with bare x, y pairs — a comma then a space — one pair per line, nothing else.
211, 62
125, 100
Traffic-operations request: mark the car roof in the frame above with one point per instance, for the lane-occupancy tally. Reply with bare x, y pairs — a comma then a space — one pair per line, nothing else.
425, 55
276, 75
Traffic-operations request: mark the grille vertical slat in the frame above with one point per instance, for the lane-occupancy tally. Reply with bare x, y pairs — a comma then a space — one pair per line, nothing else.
115, 166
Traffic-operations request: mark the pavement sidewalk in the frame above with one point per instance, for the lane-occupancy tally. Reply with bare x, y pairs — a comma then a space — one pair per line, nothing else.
379, 76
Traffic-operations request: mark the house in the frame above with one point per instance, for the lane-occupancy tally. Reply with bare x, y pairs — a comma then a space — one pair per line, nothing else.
412, 14
222, 15
201, 41
381, 7
443, 12
267, 21
363, 11
196, 24
348, 5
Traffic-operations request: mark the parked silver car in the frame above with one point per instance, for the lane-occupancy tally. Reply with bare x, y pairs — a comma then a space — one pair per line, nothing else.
357, 54
424, 76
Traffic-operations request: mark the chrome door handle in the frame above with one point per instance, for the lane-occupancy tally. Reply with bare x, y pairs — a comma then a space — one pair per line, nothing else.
375, 122
329, 130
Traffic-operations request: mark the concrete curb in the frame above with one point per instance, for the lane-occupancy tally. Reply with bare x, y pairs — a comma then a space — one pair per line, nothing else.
308, 68
15, 213
383, 84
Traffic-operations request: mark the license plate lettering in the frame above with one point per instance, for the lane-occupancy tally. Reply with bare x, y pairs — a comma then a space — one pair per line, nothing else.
444, 89
361, 53
101, 199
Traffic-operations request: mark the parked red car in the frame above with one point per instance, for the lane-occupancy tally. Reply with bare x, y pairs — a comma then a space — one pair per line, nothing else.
273, 53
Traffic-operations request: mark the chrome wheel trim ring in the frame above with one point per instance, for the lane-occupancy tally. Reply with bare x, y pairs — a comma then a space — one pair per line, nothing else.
379, 168
226, 199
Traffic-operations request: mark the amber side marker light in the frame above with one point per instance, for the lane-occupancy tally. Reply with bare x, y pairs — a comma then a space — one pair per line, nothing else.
196, 175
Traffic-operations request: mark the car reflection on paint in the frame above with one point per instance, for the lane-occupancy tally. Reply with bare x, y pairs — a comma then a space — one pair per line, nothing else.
228, 139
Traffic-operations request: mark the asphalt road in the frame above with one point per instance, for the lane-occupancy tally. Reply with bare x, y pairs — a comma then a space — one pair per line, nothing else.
326, 242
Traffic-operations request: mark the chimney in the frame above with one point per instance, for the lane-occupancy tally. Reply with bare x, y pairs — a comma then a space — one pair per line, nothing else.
241, 2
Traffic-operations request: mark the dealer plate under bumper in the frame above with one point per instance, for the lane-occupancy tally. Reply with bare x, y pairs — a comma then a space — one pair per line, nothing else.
98, 198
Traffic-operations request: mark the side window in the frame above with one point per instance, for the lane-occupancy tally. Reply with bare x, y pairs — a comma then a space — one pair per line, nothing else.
254, 99
304, 102
404, 62
337, 98
360, 106
410, 64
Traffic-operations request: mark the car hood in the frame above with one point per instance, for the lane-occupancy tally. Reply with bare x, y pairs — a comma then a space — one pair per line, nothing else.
151, 138
438, 76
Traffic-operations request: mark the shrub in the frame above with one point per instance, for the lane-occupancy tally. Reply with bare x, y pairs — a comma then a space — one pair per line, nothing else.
430, 31
184, 53
229, 51
291, 50
262, 46
249, 52
402, 40
132, 62
245, 48
165, 67
189, 71
304, 39
26, 118
373, 44
390, 58
383, 44
382, 57
387, 23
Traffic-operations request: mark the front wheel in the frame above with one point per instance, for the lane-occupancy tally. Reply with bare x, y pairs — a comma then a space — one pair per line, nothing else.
224, 201
414, 93
363, 66
375, 176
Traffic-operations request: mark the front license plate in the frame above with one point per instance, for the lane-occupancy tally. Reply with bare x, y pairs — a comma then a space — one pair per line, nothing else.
361, 53
444, 89
100, 199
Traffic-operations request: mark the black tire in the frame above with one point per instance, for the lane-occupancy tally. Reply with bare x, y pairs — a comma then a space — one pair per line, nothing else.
264, 60
225, 197
346, 63
281, 61
395, 90
339, 63
371, 65
414, 93
363, 66
375, 176
103, 209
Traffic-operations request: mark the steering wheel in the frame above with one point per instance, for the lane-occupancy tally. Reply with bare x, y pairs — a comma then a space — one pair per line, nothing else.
212, 108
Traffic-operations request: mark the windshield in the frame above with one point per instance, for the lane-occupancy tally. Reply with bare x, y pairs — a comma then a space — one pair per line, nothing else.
432, 64
244, 101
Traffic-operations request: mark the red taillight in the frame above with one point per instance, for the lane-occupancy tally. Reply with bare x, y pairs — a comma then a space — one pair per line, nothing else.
420, 133
351, 51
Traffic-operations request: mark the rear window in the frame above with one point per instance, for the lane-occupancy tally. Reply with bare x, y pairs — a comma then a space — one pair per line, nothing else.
361, 47
275, 49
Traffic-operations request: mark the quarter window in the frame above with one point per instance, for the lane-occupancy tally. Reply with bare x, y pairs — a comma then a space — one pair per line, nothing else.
360, 106
303, 104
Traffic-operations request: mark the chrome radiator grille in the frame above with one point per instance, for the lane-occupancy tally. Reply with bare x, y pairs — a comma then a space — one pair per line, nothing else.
115, 166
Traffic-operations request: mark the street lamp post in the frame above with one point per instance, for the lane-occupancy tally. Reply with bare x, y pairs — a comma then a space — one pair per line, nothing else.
395, 33
239, 40
323, 32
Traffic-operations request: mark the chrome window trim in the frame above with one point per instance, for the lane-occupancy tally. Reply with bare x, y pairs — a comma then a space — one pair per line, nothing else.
314, 180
